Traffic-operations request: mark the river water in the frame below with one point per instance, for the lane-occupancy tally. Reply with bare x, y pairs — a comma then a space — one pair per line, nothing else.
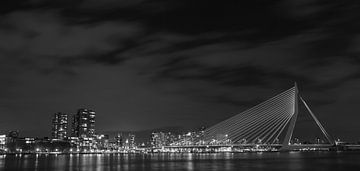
328, 161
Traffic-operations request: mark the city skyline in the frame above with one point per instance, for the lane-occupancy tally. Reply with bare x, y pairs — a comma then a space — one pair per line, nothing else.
144, 64
284, 105
268, 126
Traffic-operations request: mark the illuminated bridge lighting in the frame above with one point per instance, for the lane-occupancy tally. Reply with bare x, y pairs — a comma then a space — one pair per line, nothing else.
263, 123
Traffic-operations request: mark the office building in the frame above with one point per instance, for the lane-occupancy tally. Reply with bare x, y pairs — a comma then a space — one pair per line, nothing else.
119, 141
84, 124
59, 126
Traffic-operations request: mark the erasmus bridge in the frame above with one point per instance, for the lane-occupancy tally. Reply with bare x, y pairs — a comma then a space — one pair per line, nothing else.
266, 123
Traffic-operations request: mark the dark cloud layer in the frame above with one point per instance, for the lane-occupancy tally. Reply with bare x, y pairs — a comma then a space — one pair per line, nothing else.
144, 64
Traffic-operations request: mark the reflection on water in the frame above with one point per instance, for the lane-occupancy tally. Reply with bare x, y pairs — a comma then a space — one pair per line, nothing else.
186, 161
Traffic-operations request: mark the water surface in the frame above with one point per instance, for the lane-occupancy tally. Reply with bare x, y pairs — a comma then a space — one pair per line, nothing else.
328, 161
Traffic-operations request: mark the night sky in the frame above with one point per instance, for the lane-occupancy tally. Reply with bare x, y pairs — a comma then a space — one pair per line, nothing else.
145, 64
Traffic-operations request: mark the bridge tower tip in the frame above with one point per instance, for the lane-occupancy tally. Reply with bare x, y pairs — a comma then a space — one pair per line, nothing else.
296, 86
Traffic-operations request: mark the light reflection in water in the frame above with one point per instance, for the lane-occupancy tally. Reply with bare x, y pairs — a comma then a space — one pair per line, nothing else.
2, 161
71, 161
36, 161
186, 161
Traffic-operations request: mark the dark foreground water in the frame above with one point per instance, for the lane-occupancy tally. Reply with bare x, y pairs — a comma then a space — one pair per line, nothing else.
328, 161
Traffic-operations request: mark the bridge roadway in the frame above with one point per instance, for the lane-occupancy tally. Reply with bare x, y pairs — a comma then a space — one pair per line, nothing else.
224, 145
245, 146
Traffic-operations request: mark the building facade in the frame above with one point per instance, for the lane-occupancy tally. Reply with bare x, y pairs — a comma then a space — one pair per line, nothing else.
59, 126
157, 139
83, 125
119, 141
3, 143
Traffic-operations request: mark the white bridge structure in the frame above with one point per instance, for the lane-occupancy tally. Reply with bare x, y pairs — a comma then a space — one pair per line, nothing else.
266, 122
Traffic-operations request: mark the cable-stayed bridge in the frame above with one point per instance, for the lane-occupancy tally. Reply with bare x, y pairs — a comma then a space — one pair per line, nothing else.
266, 123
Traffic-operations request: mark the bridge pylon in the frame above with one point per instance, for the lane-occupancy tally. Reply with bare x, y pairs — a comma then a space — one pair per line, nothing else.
287, 140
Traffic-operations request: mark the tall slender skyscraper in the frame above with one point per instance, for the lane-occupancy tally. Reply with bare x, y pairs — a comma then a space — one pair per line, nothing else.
59, 126
84, 123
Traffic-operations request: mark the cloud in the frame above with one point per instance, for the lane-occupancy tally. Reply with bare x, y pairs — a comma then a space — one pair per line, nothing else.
211, 70
42, 40
105, 4
200, 58
52, 37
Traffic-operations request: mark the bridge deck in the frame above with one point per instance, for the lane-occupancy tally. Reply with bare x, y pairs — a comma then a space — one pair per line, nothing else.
255, 145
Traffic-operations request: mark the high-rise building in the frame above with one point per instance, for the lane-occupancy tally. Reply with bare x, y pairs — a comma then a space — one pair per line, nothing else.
59, 126
84, 123
119, 140
157, 139
160, 139
2, 142
132, 140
